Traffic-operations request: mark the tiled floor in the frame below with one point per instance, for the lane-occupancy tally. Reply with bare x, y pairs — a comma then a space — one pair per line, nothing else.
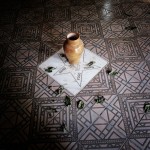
33, 30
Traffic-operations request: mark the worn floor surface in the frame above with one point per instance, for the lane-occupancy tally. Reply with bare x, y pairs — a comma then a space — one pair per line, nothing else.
31, 114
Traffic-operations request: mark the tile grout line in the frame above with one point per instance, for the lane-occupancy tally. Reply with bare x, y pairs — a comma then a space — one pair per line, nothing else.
106, 107
131, 133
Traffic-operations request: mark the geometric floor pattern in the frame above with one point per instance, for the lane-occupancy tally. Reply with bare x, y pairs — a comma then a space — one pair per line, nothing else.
32, 115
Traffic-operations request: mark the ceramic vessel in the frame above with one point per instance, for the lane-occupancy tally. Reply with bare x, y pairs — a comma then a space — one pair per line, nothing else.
73, 47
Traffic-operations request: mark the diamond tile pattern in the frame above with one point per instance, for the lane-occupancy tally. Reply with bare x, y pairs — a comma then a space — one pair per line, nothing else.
30, 15
143, 27
130, 77
49, 115
116, 28
124, 49
109, 11
51, 3
3, 47
22, 54
135, 115
6, 33
84, 13
55, 31
144, 43
57, 14
26, 33
32, 114
17, 82
137, 10
87, 29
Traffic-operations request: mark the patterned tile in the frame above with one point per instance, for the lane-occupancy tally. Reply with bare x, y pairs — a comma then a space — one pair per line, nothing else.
22, 54
58, 3
31, 113
48, 117
42, 83
112, 119
56, 31
101, 83
45, 86
17, 82
134, 116
84, 13
97, 46
87, 29
108, 11
29, 15
144, 43
6, 33
25, 33
100, 121
106, 2
136, 10
133, 77
143, 27
57, 14
15, 120
86, 116
124, 49
47, 49
82, 3
106, 145
3, 50
140, 144
116, 28
148, 63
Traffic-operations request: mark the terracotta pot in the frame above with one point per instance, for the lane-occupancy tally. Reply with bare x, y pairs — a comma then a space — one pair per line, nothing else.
73, 47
